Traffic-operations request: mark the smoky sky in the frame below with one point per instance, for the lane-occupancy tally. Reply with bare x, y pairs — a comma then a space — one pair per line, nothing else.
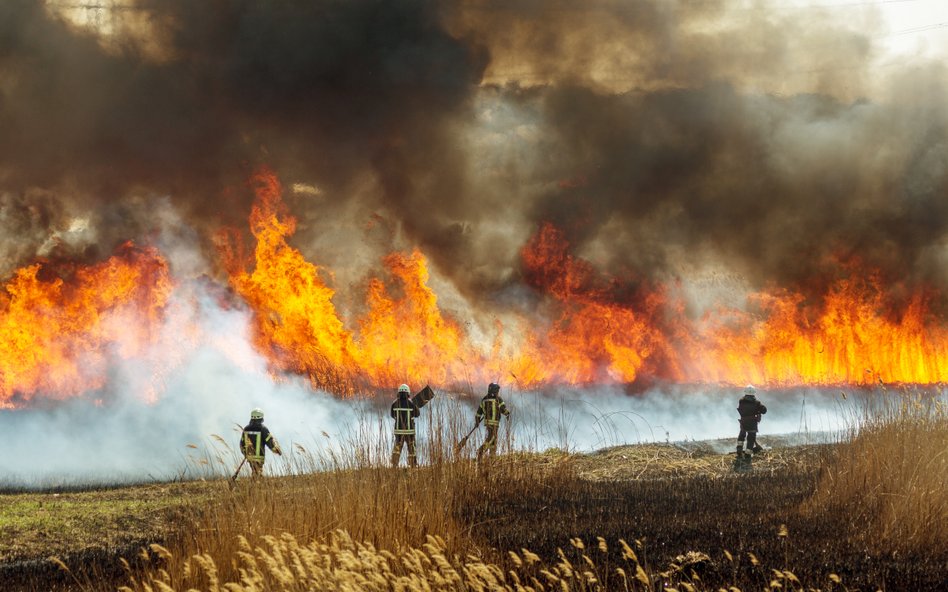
331, 88
711, 169
656, 135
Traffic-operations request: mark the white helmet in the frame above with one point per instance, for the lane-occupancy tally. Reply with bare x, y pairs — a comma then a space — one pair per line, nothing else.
750, 390
404, 389
256, 413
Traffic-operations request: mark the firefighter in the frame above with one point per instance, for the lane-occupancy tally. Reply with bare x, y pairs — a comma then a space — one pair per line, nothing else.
255, 440
404, 412
490, 410
750, 410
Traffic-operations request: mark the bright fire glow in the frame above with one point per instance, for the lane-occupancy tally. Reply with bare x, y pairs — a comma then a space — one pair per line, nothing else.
587, 327
848, 341
56, 335
60, 331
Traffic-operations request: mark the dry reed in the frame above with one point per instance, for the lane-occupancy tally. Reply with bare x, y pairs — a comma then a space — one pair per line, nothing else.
338, 562
891, 476
345, 521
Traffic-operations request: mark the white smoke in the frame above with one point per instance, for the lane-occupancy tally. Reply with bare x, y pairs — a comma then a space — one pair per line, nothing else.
579, 419
115, 435
175, 413
124, 439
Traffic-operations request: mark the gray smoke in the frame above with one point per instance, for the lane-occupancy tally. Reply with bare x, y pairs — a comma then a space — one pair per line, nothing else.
663, 137
653, 133
112, 436
330, 91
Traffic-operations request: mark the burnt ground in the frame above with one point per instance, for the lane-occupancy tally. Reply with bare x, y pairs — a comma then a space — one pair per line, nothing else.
683, 504
690, 521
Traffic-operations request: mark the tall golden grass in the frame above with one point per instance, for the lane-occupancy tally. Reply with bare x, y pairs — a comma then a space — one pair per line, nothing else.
346, 487
337, 562
891, 475
342, 519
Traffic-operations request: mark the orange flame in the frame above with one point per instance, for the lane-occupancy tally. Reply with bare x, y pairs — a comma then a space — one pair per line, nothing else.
56, 336
297, 327
580, 326
296, 324
594, 338
601, 331
850, 341
408, 338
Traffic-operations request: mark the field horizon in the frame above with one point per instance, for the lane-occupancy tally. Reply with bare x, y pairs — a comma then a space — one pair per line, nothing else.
688, 517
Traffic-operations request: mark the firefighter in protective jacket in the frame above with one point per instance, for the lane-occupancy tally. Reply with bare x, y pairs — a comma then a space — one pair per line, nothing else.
255, 440
492, 407
750, 410
404, 412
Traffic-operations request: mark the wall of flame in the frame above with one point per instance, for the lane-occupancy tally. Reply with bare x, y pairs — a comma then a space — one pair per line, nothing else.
60, 328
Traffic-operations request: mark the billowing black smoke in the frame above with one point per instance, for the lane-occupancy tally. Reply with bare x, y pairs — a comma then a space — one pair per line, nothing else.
660, 137
330, 91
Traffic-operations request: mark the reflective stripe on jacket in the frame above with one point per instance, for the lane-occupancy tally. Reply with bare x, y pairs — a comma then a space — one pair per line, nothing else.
255, 440
750, 410
491, 409
404, 413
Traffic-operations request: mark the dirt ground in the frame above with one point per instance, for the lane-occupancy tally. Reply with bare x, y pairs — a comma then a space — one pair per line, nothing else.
88, 530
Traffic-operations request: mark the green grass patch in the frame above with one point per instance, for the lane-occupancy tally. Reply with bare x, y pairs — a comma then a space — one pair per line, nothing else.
38, 525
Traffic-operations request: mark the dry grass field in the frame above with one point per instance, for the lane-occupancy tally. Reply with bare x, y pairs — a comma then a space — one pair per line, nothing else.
868, 513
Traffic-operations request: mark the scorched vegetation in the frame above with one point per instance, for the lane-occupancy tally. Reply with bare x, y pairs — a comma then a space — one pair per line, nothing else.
867, 513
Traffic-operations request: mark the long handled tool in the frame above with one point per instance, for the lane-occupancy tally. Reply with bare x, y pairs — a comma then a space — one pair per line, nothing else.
460, 445
240, 466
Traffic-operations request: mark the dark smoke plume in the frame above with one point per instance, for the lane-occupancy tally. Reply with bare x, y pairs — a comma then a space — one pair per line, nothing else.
327, 91
772, 145
659, 136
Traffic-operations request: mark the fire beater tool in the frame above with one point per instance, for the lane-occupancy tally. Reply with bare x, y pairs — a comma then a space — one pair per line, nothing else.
460, 445
422, 397
237, 472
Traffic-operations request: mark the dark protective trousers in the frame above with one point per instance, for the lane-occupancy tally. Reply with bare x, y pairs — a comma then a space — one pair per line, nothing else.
490, 442
750, 432
401, 439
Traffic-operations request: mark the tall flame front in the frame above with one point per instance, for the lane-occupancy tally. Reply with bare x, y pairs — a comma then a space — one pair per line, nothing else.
848, 341
588, 328
59, 329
